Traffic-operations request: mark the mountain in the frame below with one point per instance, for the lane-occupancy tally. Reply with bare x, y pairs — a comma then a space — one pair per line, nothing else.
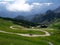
57, 10
19, 17
47, 17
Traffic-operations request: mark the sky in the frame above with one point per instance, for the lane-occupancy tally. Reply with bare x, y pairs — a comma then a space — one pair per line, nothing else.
12, 8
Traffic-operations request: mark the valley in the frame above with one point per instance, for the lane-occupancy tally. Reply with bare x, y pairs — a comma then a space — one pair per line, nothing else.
13, 34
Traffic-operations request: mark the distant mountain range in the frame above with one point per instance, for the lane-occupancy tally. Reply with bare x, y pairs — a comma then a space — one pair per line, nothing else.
47, 17
57, 10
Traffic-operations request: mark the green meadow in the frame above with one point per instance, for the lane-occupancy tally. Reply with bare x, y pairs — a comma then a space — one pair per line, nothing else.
13, 39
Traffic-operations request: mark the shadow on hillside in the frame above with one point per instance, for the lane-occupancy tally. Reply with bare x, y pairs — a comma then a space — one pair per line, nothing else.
24, 23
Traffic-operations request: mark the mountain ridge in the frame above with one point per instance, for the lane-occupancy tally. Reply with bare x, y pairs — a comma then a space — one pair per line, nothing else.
47, 17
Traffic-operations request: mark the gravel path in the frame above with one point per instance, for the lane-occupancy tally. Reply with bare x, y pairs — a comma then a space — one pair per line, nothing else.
28, 35
50, 43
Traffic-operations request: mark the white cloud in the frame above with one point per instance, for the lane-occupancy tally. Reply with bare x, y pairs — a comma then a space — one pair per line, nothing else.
5, 0
48, 4
37, 4
42, 4
3, 3
21, 5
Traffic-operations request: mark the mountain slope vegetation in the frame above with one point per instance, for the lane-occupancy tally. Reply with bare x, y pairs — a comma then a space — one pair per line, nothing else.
12, 39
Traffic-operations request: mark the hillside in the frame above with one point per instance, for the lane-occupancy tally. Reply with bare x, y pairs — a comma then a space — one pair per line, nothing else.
57, 10
55, 24
13, 36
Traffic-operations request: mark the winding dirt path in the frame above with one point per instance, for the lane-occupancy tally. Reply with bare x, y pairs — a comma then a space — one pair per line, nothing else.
28, 35
50, 43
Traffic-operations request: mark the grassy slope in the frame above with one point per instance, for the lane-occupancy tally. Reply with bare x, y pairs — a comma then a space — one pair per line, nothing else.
5, 25
8, 39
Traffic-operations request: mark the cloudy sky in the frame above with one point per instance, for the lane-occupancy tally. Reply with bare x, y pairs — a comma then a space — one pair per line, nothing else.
21, 7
